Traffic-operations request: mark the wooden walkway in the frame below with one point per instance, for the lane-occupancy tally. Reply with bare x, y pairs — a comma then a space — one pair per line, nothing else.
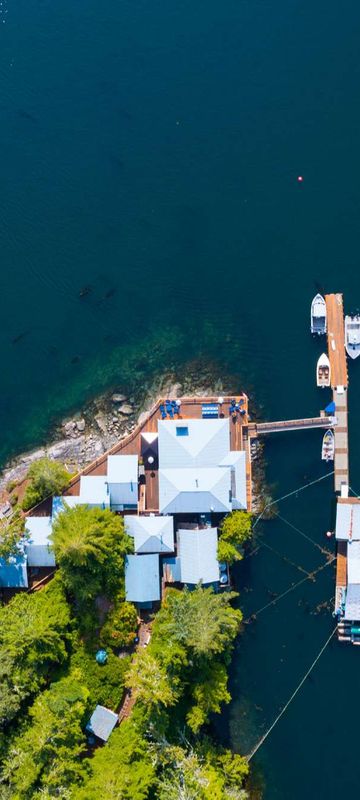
257, 429
339, 384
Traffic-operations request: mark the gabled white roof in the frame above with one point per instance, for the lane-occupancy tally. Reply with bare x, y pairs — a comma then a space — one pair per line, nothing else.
37, 547
347, 519
198, 555
94, 490
207, 442
122, 469
151, 534
194, 490
353, 562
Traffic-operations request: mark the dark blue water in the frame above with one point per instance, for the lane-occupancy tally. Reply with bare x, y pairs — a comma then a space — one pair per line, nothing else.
150, 214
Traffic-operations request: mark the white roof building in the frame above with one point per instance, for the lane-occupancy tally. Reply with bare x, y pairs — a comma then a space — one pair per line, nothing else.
122, 476
199, 490
197, 550
152, 534
37, 547
347, 520
198, 472
193, 442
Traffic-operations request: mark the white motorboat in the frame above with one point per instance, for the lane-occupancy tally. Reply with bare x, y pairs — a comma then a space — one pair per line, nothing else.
328, 446
352, 336
318, 315
323, 371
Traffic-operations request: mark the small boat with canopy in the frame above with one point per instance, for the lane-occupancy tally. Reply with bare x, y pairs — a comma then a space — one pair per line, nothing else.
323, 371
328, 446
318, 315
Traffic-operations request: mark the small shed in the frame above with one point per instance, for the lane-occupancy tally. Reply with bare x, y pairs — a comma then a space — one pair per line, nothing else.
37, 546
102, 722
198, 555
142, 578
13, 572
153, 534
122, 476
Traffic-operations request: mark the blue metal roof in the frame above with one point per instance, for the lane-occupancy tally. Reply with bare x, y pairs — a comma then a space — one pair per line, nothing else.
142, 578
13, 573
102, 722
198, 555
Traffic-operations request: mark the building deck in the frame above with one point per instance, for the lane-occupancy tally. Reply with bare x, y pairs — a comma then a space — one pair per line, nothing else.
191, 408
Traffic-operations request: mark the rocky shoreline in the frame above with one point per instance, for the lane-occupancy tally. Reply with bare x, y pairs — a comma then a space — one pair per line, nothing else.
83, 437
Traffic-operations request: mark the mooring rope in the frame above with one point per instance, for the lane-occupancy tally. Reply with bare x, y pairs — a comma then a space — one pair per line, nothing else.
323, 550
289, 494
286, 706
291, 588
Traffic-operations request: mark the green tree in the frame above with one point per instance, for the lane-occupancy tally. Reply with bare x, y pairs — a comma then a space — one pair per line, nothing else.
46, 477
235, 529
11, 534
198, 774
45, 755
121, 626
201, 620
123, 770
208, 693
90, 545
148, 680
34, 630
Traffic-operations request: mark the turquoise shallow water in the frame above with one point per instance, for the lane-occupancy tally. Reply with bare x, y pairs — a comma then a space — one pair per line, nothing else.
150, 213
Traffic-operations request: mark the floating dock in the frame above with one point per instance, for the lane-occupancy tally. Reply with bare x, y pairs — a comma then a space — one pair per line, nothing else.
339, 385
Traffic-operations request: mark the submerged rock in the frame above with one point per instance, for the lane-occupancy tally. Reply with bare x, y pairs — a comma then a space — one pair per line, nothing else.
126, 409
118, 398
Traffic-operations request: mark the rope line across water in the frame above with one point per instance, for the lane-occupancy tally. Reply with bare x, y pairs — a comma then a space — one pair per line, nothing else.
291, 588
289, 494
291, 698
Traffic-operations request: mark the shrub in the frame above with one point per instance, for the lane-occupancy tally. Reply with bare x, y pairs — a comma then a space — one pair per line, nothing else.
105, 682
45, 477
120, 627
235, 529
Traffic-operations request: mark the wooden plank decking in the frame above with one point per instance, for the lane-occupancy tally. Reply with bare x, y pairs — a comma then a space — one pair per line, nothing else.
191, 408
339, 384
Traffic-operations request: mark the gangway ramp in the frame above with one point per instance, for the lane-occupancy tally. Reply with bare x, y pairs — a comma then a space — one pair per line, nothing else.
259, 428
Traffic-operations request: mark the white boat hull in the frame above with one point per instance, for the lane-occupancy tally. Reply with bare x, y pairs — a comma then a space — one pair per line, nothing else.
352, 336
318, 315
328, 446
323, 371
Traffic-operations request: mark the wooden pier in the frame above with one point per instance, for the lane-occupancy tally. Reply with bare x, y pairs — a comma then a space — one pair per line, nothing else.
339, 385
258, 428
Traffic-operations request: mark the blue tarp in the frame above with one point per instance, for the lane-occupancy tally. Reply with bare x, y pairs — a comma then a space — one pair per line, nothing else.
330, 409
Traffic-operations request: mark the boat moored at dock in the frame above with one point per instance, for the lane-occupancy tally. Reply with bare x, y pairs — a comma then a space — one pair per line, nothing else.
323, 371
352, 336
328, 446
318, 315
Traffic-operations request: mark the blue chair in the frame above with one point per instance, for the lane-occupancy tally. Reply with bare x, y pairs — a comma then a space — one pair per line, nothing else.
162, 411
